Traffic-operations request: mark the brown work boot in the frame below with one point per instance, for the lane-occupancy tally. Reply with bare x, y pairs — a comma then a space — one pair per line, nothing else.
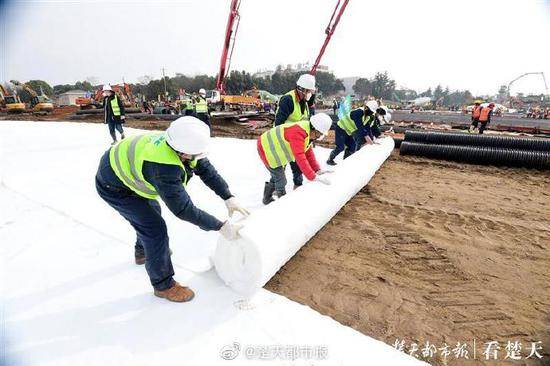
176, 293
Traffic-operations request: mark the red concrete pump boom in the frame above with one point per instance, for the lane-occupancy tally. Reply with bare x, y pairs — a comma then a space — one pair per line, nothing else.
229, 43
329, 31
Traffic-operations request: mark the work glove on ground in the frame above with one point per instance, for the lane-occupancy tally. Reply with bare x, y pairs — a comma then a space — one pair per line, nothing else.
234, 206
230, 231
322, 179
324, 171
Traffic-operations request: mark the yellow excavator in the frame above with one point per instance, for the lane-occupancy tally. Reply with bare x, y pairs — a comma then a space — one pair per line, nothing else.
39, 103
11, 102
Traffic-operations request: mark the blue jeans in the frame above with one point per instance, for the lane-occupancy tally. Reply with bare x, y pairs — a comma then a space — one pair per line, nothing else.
344, 142
145, 217
115, 125
278, 179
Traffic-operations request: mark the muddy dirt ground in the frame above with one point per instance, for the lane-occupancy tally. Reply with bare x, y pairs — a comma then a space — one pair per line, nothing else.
429, 251
434, 251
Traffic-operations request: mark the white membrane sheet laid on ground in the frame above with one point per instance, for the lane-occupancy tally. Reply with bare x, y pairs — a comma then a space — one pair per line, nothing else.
72, 295
273, 234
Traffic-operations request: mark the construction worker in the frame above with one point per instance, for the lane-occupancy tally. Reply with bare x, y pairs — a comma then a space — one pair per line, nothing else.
352, 131
293, 107
381, 117
114, 112
201, 107
476, 111
189, 107
485, 117
140, 169
291, 142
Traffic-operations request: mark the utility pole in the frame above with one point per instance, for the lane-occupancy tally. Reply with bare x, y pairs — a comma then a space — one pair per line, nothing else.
164, 79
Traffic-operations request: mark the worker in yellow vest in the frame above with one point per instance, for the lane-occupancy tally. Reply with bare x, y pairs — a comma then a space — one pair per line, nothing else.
293, 107
134, 173
353, 130
114, 114
291, 143
201, 107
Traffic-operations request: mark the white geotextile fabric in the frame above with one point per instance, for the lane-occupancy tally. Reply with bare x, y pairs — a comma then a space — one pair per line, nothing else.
273, 234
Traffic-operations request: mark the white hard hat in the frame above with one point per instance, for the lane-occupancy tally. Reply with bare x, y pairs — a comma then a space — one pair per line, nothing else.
188, 135
372, 105
306, 81
321, 122
107, 87
202, 91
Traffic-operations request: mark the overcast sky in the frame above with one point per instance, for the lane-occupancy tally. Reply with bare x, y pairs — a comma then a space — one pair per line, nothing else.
476, 45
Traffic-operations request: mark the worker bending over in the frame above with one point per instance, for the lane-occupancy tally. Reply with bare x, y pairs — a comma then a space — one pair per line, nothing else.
353, 130
293, 107
476, 112
291, 142
140, 169
381, 117
485, 117
201, 107
113, 109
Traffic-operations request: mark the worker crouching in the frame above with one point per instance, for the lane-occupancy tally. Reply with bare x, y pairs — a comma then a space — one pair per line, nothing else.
140, 169
291, 142
353, 130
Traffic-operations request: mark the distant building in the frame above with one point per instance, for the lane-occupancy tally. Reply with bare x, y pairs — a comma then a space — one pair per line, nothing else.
69, 97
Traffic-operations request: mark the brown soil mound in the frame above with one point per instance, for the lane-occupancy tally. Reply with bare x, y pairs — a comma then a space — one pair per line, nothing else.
435, 251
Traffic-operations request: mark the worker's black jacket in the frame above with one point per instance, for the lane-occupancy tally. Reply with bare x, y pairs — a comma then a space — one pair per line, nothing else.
108, 110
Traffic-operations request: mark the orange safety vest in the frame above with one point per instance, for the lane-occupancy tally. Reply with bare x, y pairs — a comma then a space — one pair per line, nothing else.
476, 111
484, 115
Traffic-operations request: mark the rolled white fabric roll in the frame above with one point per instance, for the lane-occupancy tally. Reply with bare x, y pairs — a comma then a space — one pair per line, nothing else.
273, 234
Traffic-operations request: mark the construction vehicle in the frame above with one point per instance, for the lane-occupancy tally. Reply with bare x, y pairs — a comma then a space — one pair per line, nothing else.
521, 76
11, 102
95, 101
217, 98
40, 103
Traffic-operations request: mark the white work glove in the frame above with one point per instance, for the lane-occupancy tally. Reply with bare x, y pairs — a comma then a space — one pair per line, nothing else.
230, 231
234, 206
324, 171
122, 117
321, 179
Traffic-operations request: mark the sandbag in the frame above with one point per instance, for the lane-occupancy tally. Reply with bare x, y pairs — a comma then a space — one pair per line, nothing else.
273, 234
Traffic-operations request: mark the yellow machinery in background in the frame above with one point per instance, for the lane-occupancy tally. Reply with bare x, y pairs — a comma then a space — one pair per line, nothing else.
39, 103
10, 102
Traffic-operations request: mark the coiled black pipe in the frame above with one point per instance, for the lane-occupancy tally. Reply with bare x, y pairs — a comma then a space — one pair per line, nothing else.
466, 139
479, 154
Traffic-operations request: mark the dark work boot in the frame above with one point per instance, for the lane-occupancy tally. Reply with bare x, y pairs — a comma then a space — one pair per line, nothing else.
331, 157
269, 188
280, 194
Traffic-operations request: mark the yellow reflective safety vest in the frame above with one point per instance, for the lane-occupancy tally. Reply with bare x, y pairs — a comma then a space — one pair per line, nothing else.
115, 106
201, 105
296, 114
277, 149
128, 156
347, 124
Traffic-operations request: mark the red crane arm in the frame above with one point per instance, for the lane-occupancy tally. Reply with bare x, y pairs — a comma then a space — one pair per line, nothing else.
329, 31
229, 43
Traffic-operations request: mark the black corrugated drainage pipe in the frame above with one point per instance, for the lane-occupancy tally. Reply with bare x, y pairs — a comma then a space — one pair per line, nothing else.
479, 154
